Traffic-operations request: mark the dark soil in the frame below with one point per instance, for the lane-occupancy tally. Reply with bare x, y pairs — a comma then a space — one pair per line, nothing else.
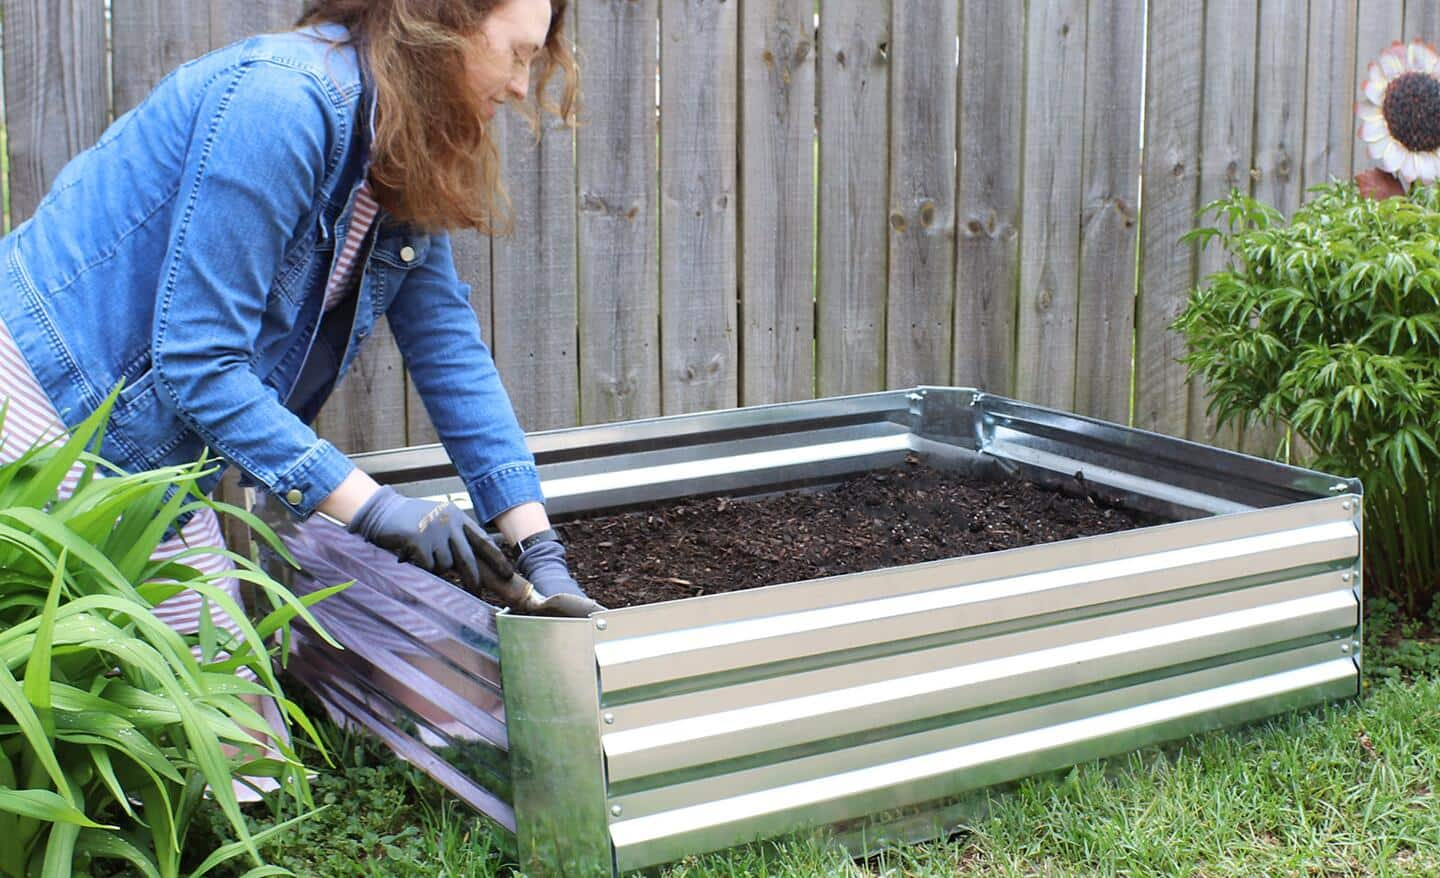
900, 516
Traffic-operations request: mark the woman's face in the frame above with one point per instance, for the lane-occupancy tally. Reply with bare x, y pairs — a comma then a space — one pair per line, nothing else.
509, 39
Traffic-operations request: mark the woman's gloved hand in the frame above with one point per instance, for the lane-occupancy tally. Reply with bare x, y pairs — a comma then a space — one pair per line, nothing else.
438, 537
542, 561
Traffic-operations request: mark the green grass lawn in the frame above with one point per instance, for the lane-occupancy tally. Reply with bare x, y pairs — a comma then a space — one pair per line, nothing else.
1346, 789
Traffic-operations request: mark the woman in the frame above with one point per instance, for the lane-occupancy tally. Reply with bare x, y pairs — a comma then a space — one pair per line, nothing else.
228, 245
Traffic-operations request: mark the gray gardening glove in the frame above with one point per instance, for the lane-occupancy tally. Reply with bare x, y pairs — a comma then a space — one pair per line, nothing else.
542, 561
438, 537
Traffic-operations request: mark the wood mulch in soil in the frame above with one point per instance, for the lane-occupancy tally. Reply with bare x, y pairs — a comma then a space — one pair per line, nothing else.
912, 513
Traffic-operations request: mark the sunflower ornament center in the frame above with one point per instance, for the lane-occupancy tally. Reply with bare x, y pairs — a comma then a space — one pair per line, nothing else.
1412, 111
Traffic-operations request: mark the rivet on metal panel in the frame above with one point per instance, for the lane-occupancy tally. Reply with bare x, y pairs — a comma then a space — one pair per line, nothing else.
1346, 576
609, 719
1339, 488
601, 624
616, 810
1347, 505
1355, 644
1345, 648
915, 397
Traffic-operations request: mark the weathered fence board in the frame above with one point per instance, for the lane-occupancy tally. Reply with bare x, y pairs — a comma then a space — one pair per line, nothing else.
1279, 139
231, 20
1280, 88
922, 194
1050, 219
1227, 137
1422, 20
149, 38
366, 411
987, 249
534, 275
1105, 321
471, 251
1378, 24
619, 270
1170, 181
854, 83
1330, 91
777, 201
56, 101
698, 270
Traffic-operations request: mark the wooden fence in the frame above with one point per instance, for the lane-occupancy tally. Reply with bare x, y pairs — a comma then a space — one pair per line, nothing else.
775, 200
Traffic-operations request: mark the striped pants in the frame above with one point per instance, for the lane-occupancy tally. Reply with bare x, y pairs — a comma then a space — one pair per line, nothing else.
31, 420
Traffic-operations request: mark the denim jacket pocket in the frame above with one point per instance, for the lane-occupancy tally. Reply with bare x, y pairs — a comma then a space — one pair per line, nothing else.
398, 247
142, 424
132, 396
397, 252
307, 262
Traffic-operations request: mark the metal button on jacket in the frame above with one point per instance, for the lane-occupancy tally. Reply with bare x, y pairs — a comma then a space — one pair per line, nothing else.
407, 253
294, 497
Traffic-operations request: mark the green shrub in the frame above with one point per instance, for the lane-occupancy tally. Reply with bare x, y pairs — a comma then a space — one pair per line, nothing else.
110, 728
1329, 325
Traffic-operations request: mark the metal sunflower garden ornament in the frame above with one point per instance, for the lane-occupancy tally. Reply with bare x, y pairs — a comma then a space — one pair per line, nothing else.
1399, 115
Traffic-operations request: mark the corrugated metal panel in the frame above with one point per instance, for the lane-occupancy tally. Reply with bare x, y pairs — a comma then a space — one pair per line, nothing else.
857, 697
928, 600
475, 771
668, 823
1137, 462
421, 664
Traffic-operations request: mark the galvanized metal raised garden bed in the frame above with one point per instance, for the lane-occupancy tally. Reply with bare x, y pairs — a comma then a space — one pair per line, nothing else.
873, 702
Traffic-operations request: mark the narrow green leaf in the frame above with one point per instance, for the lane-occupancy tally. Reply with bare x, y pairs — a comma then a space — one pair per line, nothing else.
37, 668
208, 645
13, 699
41, 488
154, 533
45, 805
105, 768
60, 851
43, 525
112, 846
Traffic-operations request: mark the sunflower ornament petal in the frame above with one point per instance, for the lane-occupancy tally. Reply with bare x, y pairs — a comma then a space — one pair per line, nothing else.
1427, 166
1422, 57
1374, 88
1393, 63
1398, 112
1393, 157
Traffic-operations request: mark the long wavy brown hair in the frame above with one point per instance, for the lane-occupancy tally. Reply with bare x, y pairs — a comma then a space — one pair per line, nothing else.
434, 161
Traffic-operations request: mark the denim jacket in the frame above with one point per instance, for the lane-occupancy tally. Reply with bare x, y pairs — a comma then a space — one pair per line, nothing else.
187, 253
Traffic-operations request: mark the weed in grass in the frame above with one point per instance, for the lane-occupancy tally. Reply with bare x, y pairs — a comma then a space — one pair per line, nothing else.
1398, 647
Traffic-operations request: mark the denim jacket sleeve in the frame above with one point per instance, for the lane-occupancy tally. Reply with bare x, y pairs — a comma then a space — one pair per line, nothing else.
264, 136
439, 338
